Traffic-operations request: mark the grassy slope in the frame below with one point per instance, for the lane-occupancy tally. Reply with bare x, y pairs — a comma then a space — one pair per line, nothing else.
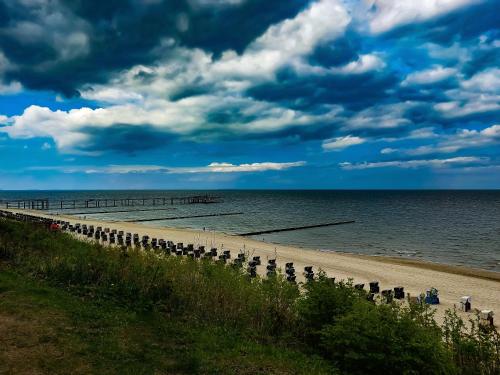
46, 330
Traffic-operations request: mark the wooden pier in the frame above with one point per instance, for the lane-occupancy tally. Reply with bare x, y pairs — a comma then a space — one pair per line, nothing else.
72, 204
25, 204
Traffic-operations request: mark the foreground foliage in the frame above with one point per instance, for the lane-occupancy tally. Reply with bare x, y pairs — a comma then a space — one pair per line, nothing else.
329, 326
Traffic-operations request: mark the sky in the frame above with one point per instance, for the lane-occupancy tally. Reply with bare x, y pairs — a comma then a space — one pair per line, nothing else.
257, 94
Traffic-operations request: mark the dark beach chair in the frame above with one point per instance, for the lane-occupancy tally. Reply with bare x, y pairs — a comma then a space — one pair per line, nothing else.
399, 292
271, 267
289, 269
374, 287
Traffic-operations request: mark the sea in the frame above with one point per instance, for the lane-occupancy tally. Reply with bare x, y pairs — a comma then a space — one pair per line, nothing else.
453, 227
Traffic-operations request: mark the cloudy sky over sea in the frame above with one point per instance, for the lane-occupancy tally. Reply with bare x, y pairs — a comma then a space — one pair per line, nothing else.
249, 93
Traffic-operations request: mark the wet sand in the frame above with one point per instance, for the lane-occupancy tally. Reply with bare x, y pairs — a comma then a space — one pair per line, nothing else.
415, 276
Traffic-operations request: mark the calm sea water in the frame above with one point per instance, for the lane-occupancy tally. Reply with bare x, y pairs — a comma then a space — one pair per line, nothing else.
455, 227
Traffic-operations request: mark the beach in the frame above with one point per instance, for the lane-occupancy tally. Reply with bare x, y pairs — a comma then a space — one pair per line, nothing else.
415, 276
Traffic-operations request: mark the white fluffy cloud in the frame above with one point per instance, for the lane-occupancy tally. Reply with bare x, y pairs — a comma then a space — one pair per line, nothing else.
214, 167
388, 14
253, 167
70, 129
485, 81
388, 150
468, 104
385, 116
340, 143
364, 64
429, 76
433, 163
478, 94
460, 140
288, 40
112, 95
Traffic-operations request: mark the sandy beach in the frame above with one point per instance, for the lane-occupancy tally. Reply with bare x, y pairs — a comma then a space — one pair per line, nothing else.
415, 276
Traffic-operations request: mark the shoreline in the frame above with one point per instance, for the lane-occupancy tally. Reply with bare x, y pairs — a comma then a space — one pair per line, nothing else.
416, 276
437, 266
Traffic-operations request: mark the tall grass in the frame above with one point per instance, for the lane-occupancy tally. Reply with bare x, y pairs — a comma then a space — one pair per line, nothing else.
333, 320
202, 290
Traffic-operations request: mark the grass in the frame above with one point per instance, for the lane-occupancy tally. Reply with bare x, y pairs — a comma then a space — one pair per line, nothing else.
71, 306
46, 330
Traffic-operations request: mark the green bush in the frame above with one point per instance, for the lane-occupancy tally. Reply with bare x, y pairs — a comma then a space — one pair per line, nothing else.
384, 339
475, 349
322, 303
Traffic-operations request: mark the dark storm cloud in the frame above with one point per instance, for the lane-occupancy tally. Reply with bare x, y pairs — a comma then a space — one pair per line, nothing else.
229, 115
431, 93
234, 27
306, 92
339, 53
116, 34
126, 138
483, 117
190, 90
292, 134
482, 59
